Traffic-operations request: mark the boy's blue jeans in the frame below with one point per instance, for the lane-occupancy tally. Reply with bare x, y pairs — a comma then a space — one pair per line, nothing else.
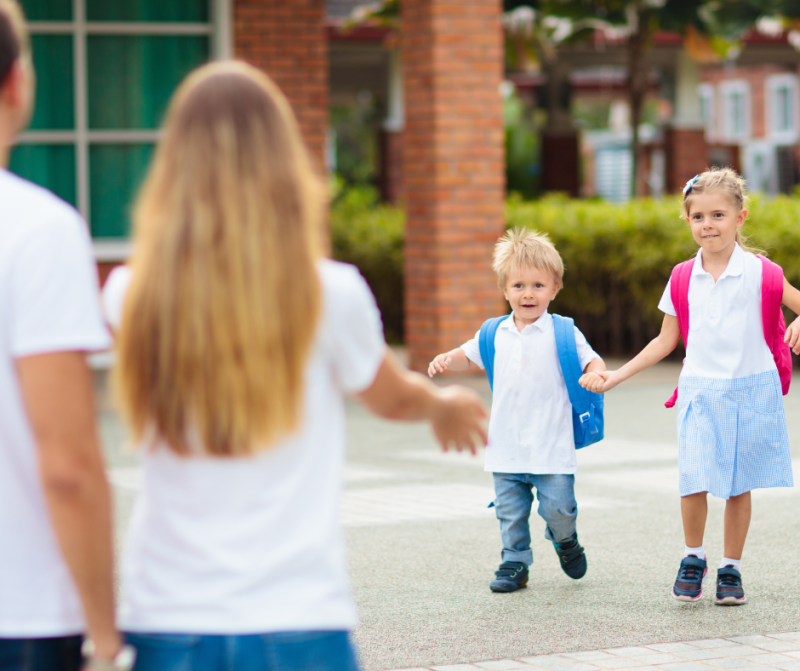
290, 651
61, 653
557, 507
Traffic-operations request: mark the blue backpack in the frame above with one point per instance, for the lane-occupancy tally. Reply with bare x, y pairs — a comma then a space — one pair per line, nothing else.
587, 407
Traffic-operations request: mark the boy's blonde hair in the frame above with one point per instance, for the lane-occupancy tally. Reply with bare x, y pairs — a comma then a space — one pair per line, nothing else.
223, 307
525, 248
721, 180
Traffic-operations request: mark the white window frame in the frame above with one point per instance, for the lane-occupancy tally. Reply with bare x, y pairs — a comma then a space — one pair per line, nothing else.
772, 85
727, 90
219, 29
707, 95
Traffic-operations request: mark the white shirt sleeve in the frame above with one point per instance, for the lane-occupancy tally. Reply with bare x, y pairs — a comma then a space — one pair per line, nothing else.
55, 301
585, 352
473, 351
665, 304
114, 291
352, 327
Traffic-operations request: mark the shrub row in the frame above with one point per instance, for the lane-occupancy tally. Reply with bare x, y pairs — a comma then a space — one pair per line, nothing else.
617, 257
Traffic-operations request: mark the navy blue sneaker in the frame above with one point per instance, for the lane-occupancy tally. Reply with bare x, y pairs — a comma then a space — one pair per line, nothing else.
511, 576
689, 583
571, 557
729, 587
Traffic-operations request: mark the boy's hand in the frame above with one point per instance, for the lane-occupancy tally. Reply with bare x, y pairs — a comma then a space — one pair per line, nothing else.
793, 336
440, 364
459, 419
600, 382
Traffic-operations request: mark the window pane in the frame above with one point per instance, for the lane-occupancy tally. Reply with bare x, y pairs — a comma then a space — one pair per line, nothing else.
132, 77
52, 56
147, 10
50, 166
47, 10
783, 110
115, 173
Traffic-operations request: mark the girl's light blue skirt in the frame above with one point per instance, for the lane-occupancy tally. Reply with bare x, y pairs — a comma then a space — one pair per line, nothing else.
732, 435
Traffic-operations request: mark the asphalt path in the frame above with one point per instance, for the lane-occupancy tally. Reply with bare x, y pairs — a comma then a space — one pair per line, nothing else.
423, 545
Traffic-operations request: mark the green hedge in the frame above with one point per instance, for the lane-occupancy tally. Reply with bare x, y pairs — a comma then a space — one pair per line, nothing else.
617, 257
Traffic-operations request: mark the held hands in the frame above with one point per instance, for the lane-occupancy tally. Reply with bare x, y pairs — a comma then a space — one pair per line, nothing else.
600, 382
793, 336
459, 419
440, 364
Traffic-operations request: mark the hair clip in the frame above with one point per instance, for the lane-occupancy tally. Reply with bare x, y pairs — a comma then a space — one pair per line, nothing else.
690, 184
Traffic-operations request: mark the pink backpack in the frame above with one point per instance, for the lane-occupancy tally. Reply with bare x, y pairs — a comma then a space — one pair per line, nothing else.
771, 314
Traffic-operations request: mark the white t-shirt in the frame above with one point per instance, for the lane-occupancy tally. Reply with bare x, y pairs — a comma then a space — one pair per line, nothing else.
530, 427
254, 545
726, 335
49, 302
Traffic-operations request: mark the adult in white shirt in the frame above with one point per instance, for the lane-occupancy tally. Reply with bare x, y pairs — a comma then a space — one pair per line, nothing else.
236, 347
55, 518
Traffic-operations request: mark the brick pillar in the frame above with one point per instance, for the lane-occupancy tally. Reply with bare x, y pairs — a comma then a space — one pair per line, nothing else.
454, 170
390, 176
687, 155
288, 41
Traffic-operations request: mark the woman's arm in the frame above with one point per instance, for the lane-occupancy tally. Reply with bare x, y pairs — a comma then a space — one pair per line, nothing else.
791, 299
658, 348
456, 414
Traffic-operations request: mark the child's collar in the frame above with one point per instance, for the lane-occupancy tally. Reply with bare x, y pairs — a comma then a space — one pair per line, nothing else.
735, 263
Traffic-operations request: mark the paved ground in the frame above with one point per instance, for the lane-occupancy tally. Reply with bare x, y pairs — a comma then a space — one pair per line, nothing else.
423, 546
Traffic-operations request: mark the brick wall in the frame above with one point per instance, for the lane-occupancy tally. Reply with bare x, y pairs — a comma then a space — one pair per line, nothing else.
453, 170
686, 156
288, 40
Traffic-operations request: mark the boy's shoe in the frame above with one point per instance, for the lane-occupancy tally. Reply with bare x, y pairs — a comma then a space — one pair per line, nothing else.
572, 557
729, 587
689, 583
511, 576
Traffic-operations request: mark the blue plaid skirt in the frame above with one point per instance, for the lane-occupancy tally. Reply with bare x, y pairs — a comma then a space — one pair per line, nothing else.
732, 435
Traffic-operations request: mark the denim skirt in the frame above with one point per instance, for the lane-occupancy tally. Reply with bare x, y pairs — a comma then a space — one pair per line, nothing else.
732, 435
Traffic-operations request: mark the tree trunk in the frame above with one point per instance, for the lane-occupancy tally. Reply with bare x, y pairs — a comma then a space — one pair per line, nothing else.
638, 44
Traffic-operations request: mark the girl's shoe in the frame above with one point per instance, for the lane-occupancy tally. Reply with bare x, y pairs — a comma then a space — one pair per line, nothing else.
729, 587
572, 557
511, 576
689, 583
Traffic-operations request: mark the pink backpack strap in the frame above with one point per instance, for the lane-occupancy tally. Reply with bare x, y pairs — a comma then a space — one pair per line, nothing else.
679, 292
772, 319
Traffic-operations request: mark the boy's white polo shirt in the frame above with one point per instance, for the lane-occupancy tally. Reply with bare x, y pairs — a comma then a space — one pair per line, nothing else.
530, 428
726, 334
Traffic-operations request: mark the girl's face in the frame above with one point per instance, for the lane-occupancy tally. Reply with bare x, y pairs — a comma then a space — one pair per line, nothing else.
714, 219
529, 291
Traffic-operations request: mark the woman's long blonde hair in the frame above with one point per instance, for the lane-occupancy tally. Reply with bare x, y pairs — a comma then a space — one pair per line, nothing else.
224, 300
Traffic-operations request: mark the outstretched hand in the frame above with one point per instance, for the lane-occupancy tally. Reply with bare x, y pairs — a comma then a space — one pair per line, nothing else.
460, 420
600, 381
793, 336
440, 364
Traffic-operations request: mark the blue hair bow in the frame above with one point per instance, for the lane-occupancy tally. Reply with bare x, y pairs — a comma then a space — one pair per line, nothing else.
690, 184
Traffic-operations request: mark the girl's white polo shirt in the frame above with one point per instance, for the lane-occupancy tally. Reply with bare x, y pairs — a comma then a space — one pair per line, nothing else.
726, 336
530, 428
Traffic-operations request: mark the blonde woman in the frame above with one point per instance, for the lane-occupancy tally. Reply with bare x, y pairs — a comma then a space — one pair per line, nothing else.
236, 347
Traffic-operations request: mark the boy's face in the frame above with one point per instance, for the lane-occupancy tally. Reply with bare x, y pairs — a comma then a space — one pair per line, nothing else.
529, 291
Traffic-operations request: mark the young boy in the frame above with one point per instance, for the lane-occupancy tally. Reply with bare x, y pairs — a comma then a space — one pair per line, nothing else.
531, 441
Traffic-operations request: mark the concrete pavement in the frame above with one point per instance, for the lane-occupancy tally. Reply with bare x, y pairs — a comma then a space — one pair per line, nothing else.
423, 545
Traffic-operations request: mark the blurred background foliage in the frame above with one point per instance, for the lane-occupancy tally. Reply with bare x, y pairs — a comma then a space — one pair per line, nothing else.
618, 258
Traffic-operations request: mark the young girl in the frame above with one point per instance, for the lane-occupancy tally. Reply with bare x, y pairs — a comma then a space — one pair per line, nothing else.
731, 424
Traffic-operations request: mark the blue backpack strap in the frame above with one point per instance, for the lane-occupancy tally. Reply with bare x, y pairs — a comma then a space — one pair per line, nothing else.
486, 345
570, 364
587, 407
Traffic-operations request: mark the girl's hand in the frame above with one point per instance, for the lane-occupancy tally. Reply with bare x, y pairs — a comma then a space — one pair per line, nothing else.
440, 364
793, 336
459, 419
